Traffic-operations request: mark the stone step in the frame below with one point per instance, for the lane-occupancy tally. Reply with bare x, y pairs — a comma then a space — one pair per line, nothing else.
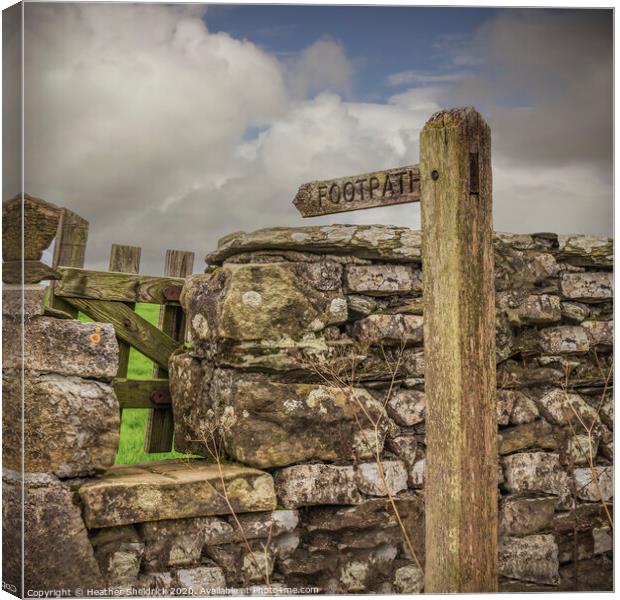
174, 489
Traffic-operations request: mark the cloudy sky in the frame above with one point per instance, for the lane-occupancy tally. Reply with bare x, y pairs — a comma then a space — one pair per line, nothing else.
172, 126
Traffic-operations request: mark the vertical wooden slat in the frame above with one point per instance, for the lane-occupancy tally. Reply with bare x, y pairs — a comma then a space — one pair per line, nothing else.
160, 426
69, 251
124, 259
459, 352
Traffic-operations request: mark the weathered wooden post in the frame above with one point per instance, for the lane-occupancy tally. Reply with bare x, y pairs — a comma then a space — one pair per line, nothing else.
124, 259
459, 348
69, 251
160, 426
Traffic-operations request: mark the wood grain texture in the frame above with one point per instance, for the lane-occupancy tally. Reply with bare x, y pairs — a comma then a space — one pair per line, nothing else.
71, 239
459, 349
69, 251
369, 190
124, 259
142, 393
119, 287
160, 425
130, 327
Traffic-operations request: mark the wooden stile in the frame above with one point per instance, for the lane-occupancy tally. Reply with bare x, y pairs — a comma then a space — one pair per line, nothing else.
124, 259
160, 426
459, 351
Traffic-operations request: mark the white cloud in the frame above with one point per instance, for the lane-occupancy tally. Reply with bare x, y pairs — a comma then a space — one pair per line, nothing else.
138, 118
137, 115
418, 77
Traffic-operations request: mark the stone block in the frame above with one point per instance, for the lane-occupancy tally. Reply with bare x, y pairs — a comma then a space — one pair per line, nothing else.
600, 333
575, 312
512, 374
374, 513
576, 448
586, 250
269, 424
119, 552
534, 472
307, 485
58, 553
573, 547
581, 518
375, 481
373, 242
71, 425
563, 339
537, 434
63, 346
189, 391
607, 411
588, 575
16, 306
524, 409
594, 484
360, 306
561, 408
407, 407
244, 564
603, 540
522, 515
404, 447
376, 330
536, 309
417, 473
29, 225
383, 279
409, 580
354, 576
173, 489
201, 581
533, 558
156, 583
587, 287
521, 270
267, 524
179, 542
303, 562
505, 403
263, 301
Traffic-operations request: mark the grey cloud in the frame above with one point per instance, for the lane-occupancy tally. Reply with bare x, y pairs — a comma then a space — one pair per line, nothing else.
137, 118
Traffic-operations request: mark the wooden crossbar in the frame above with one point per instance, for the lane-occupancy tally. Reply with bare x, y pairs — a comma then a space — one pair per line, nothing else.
116, 286
130, 327
142, 393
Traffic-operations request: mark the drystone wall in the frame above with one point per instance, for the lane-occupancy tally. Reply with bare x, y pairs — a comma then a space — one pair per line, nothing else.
304, 375
305, 359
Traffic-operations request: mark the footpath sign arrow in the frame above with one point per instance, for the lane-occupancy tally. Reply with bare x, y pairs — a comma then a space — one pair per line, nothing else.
369, 190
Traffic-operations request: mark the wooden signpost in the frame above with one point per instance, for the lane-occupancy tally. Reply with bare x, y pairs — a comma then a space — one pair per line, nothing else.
370, 190
453, 184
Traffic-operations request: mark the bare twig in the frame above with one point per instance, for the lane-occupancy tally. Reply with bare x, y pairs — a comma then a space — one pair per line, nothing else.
589, 429
213, 444
330, 374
